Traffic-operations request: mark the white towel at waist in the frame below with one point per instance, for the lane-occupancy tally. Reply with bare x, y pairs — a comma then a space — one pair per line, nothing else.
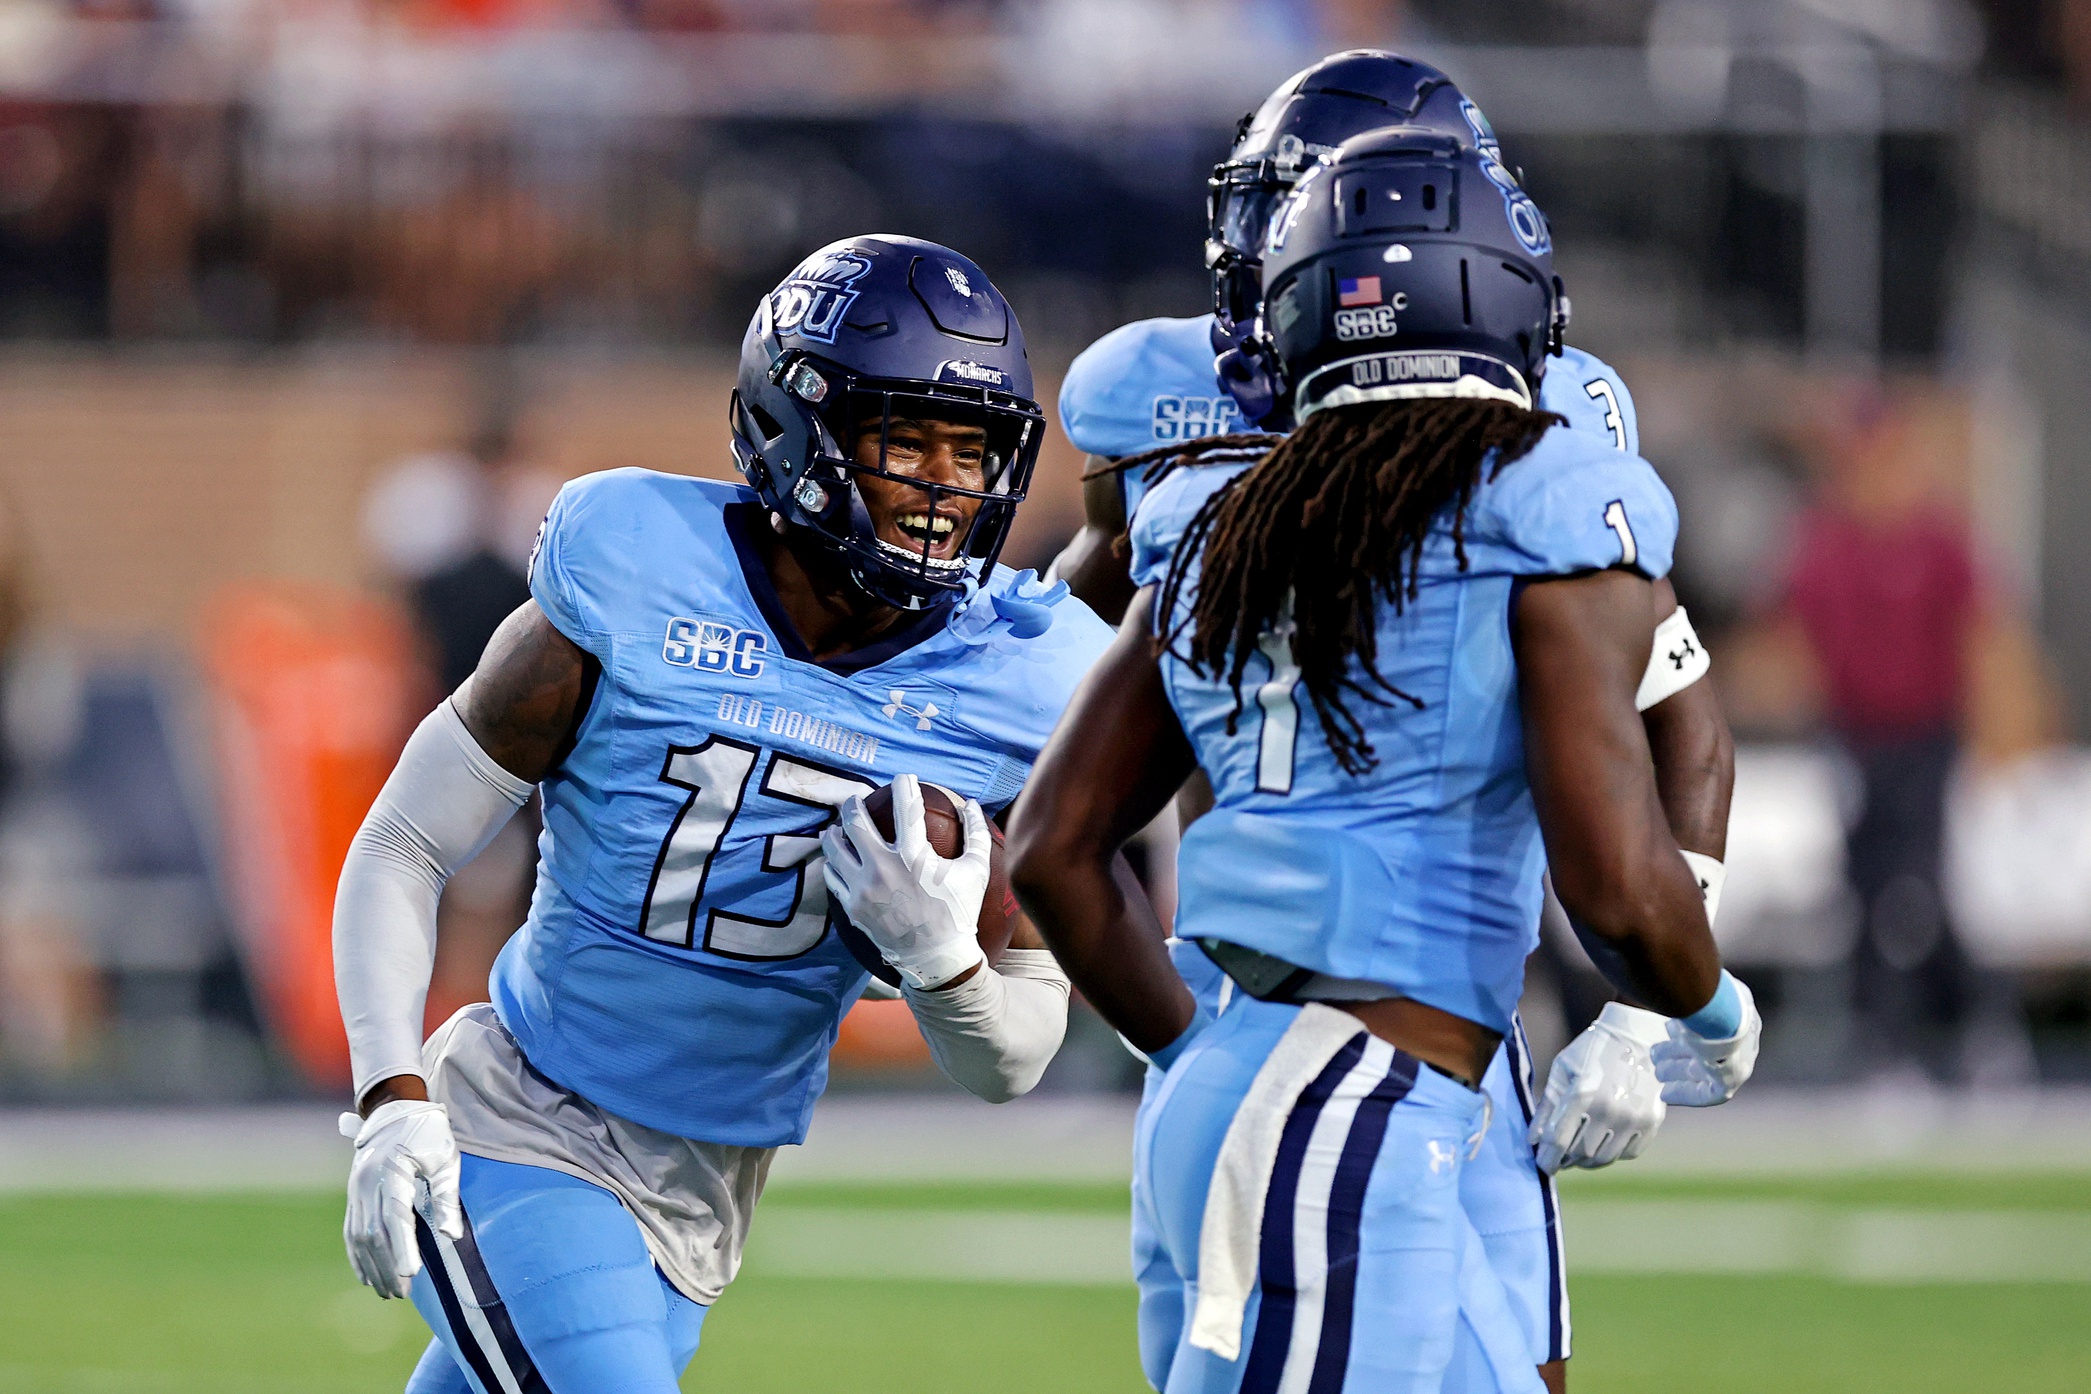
1229, 1238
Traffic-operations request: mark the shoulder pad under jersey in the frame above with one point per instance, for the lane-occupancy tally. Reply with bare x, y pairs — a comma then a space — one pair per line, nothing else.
607, 535
1166, 512
1026, 646
1585, 389
1146, 384
1572, 504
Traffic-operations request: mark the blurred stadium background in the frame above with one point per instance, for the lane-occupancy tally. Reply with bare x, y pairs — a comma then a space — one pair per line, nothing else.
308, 306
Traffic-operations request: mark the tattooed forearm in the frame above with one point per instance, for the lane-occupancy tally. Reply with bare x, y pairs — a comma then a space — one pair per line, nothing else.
523, 700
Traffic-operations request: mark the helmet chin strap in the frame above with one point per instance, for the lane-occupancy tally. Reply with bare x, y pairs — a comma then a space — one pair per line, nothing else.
804, 540
885, 589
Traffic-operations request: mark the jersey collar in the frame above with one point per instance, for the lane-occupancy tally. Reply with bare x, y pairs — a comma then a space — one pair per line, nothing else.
740, 518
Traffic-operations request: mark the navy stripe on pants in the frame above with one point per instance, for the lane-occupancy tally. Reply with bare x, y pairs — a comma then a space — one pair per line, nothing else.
1346, 1218
490, 1346
1273, 1338
1557, 1275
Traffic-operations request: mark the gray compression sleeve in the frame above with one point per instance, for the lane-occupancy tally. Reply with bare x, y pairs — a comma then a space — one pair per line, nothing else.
444, 802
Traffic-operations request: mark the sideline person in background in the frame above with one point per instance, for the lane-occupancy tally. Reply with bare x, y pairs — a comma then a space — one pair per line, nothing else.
1882, 624
454, 530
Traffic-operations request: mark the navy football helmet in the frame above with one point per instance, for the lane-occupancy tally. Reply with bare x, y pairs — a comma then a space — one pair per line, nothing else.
1312, 112
867, 331
1407, 265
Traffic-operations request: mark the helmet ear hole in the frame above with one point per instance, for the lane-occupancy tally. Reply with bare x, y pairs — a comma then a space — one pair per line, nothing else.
769, 427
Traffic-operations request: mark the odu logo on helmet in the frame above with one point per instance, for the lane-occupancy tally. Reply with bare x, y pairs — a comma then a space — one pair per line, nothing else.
812, 303
1525, 218
1484, 134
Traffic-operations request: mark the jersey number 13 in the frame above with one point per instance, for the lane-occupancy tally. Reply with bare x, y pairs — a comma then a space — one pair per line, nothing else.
716, 774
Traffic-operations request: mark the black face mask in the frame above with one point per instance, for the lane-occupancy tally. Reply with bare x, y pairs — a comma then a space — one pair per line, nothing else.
831, 501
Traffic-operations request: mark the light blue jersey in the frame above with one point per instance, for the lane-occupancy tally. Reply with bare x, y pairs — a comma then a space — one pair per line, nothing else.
1584, 389
1422, 873
1151, 383
678, 968
1144, 385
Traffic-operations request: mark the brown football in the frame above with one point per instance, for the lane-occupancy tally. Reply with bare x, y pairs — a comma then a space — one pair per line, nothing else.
947, 835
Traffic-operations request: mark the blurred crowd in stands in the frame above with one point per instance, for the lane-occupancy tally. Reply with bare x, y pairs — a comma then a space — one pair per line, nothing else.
1877, 533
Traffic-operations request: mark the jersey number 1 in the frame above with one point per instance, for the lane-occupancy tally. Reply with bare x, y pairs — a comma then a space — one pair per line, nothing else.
1278, 701
1615, 519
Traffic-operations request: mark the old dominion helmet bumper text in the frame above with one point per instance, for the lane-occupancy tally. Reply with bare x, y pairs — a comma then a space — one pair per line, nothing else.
1408, 265
865, 332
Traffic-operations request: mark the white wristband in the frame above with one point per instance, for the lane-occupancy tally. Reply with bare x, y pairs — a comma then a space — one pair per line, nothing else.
1677, 661
1710, 875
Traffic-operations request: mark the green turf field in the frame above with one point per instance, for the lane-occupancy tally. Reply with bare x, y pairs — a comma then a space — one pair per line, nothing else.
163, 1295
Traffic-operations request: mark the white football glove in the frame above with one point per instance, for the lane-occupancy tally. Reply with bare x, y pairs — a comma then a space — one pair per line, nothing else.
1603, 1102
1697, 1072
920, 909
403, 1146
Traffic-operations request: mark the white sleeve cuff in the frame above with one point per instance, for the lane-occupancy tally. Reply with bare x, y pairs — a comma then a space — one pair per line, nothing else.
1711, 876
1676, 662
995, 1033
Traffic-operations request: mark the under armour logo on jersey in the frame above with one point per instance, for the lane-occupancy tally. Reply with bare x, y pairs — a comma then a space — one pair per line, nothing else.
1441, 1155
1682, 654
897, 705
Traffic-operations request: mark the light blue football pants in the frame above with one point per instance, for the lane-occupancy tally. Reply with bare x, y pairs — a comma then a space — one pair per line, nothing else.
1393, 1290
550, 1291
1515, 1210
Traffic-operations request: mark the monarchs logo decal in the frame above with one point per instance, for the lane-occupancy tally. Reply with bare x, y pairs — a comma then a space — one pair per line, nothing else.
812, 303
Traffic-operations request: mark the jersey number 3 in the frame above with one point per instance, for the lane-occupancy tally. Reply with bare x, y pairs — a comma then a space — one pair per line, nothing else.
716, 774
1598, 390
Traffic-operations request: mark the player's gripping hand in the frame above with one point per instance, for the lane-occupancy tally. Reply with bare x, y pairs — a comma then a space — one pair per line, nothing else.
1697, 1070
920, 909
1603, 1102
401, 1146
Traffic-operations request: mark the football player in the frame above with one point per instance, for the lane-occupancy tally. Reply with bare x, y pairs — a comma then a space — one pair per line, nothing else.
1146, 393
563, 1179
1405, 645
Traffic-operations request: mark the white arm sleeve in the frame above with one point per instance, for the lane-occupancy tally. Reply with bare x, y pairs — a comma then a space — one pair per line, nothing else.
1677, 661
444, 802
995, 1033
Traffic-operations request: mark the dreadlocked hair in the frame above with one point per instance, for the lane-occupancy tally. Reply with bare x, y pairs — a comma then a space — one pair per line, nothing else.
1207, 450
1304, 545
